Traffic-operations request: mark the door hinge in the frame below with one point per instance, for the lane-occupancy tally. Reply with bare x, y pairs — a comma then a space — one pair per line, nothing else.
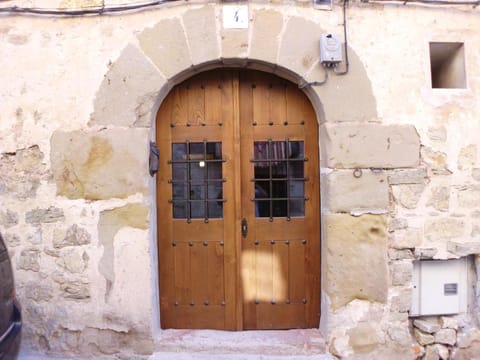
153, 159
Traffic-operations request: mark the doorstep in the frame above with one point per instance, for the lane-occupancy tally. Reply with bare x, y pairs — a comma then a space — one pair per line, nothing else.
301, 344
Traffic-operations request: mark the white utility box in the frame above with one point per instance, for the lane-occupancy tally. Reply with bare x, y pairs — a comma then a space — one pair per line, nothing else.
440, 287
330, 49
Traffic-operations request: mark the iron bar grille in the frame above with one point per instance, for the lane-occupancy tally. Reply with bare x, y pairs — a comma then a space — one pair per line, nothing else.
279, 179
197, 182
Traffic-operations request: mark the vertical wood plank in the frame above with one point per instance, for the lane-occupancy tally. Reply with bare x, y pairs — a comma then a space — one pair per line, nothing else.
296, 273
216, 276
280, 271
196, 101
183, 281
199, 273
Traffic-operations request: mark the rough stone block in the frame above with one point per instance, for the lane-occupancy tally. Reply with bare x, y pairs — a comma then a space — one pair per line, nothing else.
463, 249
402, 272
356, 249
426, 326
397, 224
29, 260
396, 254
371, 146
425, 253
363, 337
29, 160
50, 215
436, 161
408, 176
469, 196
437, 133
165, 44
408, 195
126, 97
400, 335
448, 322
406, 239
446, 336
347, 193
299, 48
201, 31
74, 236
431, 353
442, 351
8, 218
440, 198
267, 25
75, 290
467, 157
73, 261
100, 165
401, 303
446, 228
476, 174
423, 338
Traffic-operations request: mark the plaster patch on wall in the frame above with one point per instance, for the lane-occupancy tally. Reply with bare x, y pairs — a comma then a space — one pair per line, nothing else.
110, 222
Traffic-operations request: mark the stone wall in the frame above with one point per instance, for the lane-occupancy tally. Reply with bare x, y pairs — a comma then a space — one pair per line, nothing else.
400, 169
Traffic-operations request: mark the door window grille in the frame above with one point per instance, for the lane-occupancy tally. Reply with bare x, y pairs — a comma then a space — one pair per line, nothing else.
197, 183
279, 179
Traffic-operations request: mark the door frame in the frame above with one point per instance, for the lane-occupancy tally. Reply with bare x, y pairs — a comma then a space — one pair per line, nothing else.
317, 107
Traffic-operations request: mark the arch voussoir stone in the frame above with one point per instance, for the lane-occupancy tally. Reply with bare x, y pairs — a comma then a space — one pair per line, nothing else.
166, 46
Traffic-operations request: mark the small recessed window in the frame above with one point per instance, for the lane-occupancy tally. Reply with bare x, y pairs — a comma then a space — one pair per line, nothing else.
447, 65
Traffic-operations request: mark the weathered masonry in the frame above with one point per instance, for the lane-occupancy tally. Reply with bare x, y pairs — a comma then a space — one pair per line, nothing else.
294, 190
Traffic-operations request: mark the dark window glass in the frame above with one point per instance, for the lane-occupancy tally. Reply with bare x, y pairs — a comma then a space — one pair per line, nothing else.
279, 178
197, 185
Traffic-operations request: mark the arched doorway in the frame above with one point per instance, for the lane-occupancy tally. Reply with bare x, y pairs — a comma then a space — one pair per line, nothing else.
238, 204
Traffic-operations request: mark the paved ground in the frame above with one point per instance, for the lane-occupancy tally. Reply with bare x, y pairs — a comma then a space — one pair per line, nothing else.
306, 344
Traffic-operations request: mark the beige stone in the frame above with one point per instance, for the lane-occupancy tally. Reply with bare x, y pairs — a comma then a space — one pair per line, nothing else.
266, 28
346, 192
371, 145
299, 48
408, 195
436, 160
165, 44
425, 253
406, 239
442, 351
402, 302
402, 272
356, 249
50, 215
73, 261
100, 165
446, 336
469, 196
400, 254
464, 248
427, 326
397, 224
437, 133
440, 198
363, 337
407, 176
448, 322
400, 335
201, 31
476, 174
29, 160
122, 91
445, 228
423, 338
234, 43
338, 88
76, 290
467, 157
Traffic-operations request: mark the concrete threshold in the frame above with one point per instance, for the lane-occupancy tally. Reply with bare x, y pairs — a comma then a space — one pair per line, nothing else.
301, 344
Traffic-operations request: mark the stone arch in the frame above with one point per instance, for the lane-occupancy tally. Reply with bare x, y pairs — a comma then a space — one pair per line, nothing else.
192, 41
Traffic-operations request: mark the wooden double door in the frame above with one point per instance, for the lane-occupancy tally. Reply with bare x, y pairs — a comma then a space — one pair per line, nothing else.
238, 204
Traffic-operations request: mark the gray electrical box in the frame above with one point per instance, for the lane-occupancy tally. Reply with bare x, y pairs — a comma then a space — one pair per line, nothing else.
330, 49
439, 287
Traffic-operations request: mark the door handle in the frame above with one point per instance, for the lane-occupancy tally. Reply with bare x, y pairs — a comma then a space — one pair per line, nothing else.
244, 227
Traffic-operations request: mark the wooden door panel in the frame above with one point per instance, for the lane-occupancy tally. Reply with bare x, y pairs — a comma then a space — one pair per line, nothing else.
212, 276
